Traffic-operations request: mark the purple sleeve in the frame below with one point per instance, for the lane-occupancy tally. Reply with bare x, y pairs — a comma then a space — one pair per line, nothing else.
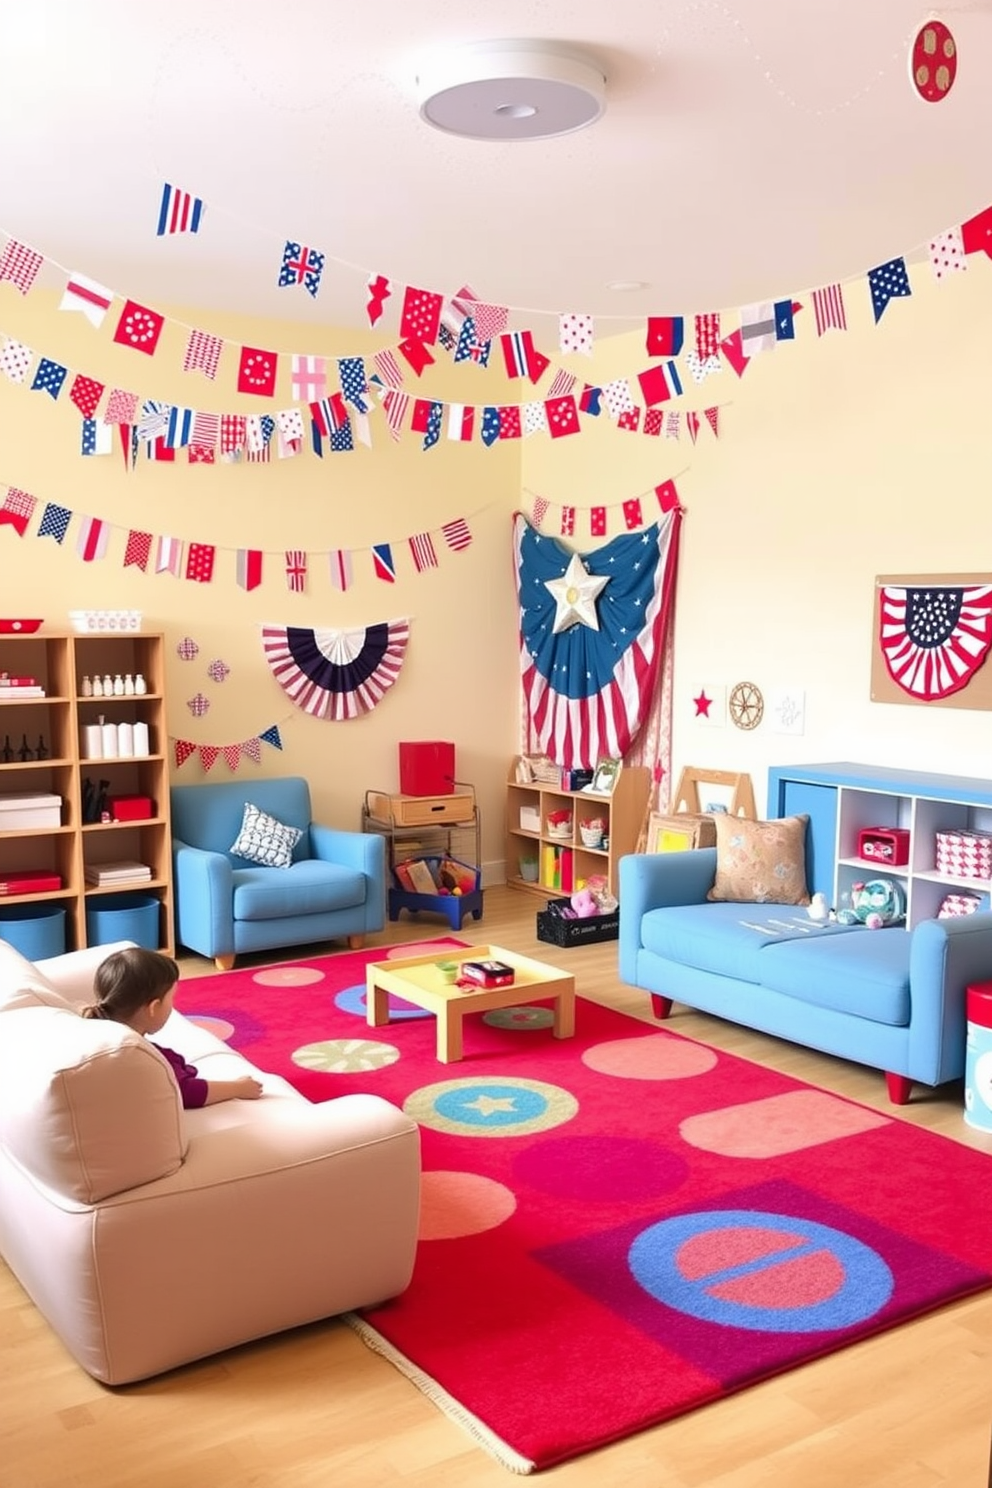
192, 1089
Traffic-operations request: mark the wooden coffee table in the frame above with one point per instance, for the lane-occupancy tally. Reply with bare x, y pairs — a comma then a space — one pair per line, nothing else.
419, 980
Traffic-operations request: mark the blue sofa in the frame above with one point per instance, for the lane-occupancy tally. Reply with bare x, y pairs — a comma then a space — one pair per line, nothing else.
225, 906
892, 999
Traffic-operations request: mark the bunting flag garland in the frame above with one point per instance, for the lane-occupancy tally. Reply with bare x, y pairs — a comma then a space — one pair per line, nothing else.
200, 562
296, 570
169, 556
20, 264
946, 253
456, 534
630, 512
257, 371
97, 438
422, 551
179, 211
415, 352
336, 674
249, 568
521, 357
382, 563
490, 320
575, 334
341, 570
589, 690
976, 233
232, 754
489, 430
470, 346
421, 316
707, 335
93, 538
665, 335
15, 359
461, 421
828, 308
301, 265
121, 407
55, 522
138, 550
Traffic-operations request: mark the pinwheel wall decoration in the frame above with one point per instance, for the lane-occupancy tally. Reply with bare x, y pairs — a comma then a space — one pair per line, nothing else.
336, 674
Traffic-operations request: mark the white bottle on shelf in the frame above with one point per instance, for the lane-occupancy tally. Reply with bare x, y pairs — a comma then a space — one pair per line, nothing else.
118, 685
140, 686
141, 741
109, 739
129, 685
92, 741
125, 741
96, 688
87, 688
108, 685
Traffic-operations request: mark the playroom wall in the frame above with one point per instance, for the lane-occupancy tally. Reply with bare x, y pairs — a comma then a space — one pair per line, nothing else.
861, 453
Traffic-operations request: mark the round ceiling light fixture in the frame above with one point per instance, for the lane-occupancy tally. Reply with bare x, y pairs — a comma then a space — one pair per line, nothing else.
511, 90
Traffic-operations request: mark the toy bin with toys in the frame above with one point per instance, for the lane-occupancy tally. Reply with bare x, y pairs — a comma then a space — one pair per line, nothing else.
440, 885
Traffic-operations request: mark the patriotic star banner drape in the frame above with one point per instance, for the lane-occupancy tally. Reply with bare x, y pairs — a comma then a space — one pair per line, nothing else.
587, 692
336, 674
934, 639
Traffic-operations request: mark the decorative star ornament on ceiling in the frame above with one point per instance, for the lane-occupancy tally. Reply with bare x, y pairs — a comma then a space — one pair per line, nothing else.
575, 596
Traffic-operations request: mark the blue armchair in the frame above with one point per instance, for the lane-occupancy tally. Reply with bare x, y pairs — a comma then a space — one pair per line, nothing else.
334, 887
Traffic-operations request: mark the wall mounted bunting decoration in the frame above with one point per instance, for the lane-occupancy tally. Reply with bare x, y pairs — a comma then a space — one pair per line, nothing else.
931, 640
336, 674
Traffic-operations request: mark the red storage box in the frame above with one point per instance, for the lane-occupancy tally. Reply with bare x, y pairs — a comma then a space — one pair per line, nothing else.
130, 808
887, 845
427, 768
29, 881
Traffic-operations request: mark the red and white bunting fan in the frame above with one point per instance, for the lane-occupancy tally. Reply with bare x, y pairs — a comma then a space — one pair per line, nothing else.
336, 674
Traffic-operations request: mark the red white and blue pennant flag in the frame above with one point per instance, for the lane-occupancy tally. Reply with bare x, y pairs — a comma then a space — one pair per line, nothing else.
179, 211
301, 265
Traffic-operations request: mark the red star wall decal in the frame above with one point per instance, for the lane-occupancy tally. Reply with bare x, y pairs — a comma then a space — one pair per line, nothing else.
703, 705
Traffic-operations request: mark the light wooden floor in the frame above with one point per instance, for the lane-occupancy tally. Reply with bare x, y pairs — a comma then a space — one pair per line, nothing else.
910, 1409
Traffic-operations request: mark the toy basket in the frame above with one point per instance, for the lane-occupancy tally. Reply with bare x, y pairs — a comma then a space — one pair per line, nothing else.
554, 928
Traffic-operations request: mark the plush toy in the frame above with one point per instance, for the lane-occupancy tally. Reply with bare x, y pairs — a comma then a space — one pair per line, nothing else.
584, 904
879, 902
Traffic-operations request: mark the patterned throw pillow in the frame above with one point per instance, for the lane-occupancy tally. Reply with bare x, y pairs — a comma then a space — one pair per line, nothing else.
265, 840
760, 862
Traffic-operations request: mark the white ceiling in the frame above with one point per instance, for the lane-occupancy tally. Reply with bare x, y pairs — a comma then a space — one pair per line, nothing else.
748, 150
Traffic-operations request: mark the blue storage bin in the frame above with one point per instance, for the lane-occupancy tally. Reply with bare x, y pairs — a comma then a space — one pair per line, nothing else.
113, 917
36, 930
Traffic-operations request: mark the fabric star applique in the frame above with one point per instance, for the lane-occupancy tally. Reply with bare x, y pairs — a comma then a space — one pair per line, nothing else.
575, 595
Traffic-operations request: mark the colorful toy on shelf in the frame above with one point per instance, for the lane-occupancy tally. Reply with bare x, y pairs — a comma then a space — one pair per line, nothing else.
878, 902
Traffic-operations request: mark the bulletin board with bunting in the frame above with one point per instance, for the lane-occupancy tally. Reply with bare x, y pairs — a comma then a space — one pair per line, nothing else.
931, 639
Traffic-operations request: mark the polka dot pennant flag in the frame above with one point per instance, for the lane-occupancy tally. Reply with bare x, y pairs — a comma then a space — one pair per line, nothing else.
632, 514
575, 333
208, 756
252, 749
86, 394
139, 328
946, 253
15, 359
888, 281
183, 749
232, 755
49, 378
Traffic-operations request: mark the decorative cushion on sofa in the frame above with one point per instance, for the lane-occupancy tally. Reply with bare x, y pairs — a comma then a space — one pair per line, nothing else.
761, 862
23, 985
264, 839
87, 1106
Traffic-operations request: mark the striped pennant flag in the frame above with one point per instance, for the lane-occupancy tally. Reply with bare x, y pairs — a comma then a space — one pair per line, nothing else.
341, 574
828, 307
94, 535
248, 568
169, 556
296, 570
138, 550
562, 384
422, 550
388, 369
179, 211
395, 406
456, 534
382, 563
89, 298
568, 521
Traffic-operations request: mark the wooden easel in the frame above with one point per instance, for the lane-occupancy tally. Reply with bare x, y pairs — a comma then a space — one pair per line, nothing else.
686, 797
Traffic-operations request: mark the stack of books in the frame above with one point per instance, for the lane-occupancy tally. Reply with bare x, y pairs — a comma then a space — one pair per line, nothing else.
19, 689
105, 875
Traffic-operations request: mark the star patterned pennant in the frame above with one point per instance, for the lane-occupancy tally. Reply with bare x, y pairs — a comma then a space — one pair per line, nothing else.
665, 335
139, 328
301, 265
97, 437
49, 378
470, 347
888, 281
354, 383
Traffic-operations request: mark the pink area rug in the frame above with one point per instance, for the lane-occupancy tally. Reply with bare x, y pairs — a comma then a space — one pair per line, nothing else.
621, 1226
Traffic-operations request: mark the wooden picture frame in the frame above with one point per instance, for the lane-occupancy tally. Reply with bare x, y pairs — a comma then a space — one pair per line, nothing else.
605, 778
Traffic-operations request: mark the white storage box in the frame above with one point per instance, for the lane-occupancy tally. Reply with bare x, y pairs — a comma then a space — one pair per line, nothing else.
20, 810
530, 818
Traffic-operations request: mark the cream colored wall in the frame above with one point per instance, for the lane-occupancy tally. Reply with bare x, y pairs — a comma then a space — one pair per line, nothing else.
458, 681
861, 453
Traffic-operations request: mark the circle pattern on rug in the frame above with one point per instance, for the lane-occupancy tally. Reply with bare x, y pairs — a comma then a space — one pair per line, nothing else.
455, 1204
763, 1272
601, 1168
353, 1000
420, 948
491, 1106
658, 1058
524, 1019
345, 1056
288, 976
219, 1027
